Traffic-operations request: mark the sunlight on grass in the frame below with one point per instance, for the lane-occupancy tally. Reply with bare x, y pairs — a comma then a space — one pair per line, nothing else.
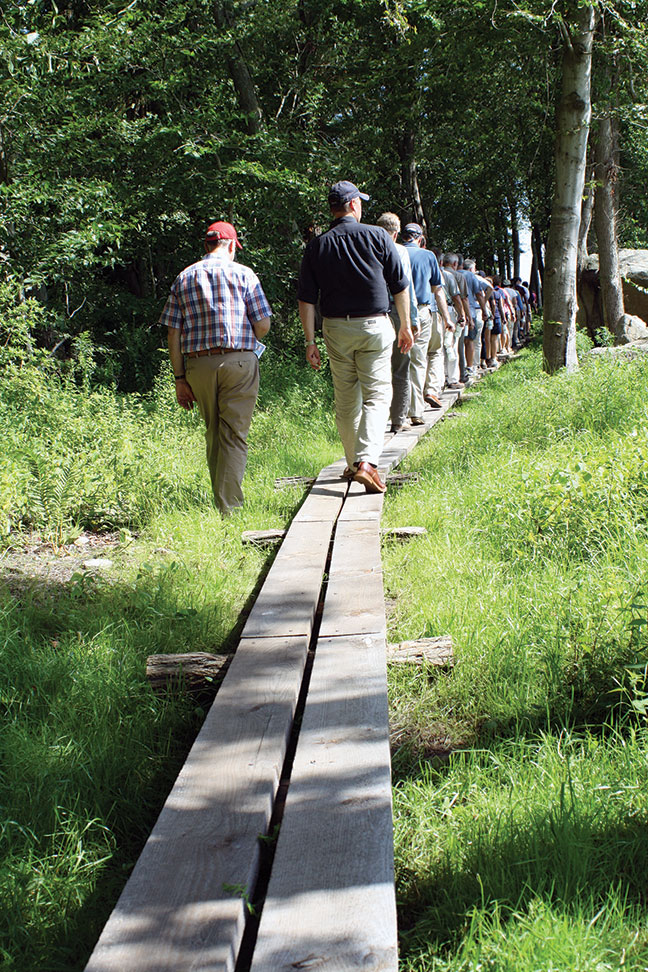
519, 775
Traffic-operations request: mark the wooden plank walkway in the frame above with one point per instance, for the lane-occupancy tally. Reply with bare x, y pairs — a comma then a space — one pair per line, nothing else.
330, 902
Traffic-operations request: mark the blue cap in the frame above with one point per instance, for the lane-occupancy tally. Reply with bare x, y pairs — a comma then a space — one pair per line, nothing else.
343, 192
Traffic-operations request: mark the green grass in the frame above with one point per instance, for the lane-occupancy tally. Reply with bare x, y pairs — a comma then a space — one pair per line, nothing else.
519, 776
87, 752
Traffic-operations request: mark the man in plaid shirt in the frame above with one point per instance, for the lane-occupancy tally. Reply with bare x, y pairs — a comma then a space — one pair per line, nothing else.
216, 315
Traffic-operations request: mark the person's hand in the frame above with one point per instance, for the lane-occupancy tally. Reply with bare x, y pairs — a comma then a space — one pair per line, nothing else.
184, 394
405, 338
449, 326
313, 356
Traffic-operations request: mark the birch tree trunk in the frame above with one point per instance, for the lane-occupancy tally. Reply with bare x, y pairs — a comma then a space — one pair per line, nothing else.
587, 210
605, 221
573, 119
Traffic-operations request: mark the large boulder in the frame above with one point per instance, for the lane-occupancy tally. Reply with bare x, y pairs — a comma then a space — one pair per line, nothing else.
634, 349
633, 265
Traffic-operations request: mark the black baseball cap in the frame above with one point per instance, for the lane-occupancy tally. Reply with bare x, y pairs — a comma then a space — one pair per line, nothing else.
343, 192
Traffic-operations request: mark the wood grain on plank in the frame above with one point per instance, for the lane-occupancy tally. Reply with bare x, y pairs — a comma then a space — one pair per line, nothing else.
263, 538
425, 651
354, 602
403, 533
325, 498
331, 903
287, 601
182, 908
190, 670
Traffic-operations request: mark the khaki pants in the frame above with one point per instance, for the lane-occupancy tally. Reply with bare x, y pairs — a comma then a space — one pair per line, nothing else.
226, 388
435, 369
419, 362
451, 348
360, 357
400, 365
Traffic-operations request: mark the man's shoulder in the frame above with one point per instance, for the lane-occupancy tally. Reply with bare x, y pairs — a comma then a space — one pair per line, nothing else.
213, 269
363, 231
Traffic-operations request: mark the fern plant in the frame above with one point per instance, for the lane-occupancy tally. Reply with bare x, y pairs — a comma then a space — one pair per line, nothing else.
53, 492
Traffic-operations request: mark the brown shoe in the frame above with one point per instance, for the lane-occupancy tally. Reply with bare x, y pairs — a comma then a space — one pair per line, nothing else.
415, 420
433, 401
368, 476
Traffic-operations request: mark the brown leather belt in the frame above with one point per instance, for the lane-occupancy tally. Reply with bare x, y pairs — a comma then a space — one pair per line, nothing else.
200, 354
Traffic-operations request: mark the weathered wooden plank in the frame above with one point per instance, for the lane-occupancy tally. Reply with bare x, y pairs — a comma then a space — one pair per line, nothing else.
354, 602
325, 499
287, 601
192, 670
263, 538
182, 908
431, 418
360, 505
425, 651
395, 452
401, 479
285, 482
403, 533
331, 902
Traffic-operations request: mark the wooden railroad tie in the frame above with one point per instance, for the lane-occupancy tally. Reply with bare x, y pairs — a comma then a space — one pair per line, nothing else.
425, 651
403, 533
268, 538
198, 671
395, 480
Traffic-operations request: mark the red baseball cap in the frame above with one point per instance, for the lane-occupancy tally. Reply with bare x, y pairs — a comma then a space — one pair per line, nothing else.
222, 231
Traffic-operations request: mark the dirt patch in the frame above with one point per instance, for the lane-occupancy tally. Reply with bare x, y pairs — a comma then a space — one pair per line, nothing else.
36, 561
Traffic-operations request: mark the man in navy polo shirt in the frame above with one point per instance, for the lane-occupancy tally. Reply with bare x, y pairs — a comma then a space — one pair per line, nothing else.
352, 269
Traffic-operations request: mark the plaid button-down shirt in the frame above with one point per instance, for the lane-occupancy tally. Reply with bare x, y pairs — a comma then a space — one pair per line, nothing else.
215, 302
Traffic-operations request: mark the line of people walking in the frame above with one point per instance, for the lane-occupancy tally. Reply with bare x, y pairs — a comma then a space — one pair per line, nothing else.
400, 322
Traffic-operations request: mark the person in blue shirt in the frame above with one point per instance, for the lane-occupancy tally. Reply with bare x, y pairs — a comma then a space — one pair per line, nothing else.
401, 391
426, 356
479, 290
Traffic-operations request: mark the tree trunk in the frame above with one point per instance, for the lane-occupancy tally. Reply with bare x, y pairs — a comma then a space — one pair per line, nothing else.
406, 154
4, 160
515, 238
586, 219
605, 220
574, 112
240, 74
537, 245
537, 265
488, 264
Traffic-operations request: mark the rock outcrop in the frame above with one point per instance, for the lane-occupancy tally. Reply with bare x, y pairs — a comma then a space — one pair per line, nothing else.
633, 265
